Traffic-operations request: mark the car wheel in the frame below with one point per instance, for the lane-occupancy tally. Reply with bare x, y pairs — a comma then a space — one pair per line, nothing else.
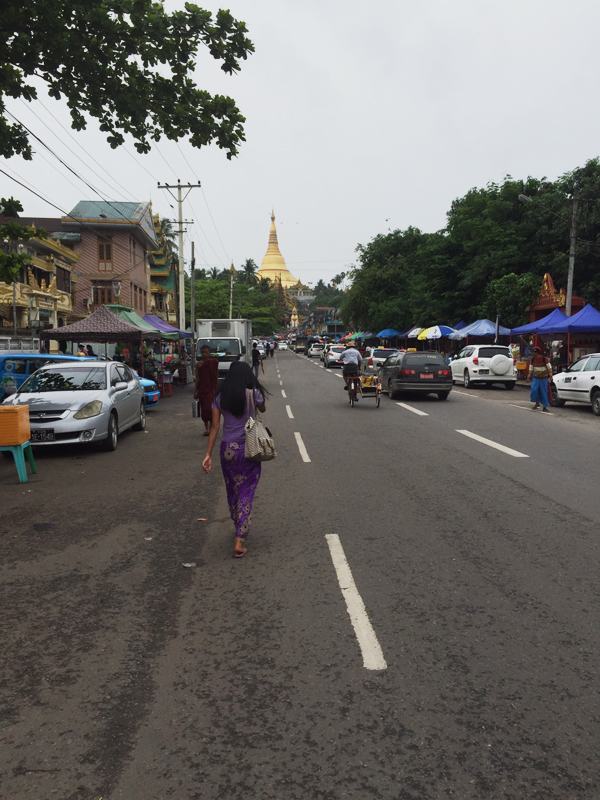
555, 400
510, 384
110, 443
596, 403
467, 382
391, 392
443, 395
141, 425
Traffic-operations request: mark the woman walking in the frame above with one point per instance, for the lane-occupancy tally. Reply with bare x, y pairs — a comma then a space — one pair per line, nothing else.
240, 394
540, 370
206, 381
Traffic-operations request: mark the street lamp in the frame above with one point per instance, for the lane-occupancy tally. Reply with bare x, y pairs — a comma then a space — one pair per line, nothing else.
573, 241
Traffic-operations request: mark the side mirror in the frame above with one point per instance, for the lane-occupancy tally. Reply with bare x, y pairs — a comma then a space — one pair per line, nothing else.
10, 390
119, 386
243, 350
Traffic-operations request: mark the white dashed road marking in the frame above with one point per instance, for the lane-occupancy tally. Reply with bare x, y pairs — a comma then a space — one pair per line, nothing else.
466, 394
283, 394
302, 448
289, 412
414, 410
508, 450
370, 648
528, 408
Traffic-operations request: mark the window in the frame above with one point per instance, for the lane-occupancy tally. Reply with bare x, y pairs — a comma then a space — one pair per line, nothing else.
592, 364
105, 255
490, 352
578, 365
102, 295
63, 279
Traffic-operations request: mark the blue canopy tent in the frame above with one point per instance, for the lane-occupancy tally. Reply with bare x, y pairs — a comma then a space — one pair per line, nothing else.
544, 325
585, 321
460, 325
388, 333
482, 327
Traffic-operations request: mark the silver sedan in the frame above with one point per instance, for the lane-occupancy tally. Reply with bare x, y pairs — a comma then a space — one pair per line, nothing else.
88, 401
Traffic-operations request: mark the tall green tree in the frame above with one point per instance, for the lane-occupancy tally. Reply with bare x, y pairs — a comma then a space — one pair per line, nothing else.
126, 63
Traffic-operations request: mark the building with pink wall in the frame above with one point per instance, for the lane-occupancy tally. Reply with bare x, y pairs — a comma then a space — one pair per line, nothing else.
115, 241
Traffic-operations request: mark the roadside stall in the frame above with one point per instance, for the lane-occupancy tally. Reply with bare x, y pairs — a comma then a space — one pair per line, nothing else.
184, 363
437, 333
103, 327
582, 330
542, 328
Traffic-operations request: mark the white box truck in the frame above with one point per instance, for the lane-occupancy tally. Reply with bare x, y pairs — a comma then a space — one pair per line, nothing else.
229, 340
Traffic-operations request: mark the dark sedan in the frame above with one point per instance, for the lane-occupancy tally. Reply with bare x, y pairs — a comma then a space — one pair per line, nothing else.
425, 372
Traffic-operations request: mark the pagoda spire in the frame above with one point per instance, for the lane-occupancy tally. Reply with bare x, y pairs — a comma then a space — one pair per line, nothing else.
273, 264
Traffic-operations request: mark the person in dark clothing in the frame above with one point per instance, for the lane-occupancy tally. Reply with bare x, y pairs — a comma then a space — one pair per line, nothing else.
90, 351
256, 360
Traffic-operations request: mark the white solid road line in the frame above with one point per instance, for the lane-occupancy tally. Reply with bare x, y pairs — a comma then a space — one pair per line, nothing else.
283, 394
289, 412
302, 448
370, 648
508, 450
414, 410
466, 394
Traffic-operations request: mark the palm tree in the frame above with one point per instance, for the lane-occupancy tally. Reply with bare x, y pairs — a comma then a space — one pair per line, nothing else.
248, 272
213, 273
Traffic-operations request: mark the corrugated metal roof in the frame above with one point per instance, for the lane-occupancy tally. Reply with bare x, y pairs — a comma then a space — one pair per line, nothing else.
101, 209
66, 236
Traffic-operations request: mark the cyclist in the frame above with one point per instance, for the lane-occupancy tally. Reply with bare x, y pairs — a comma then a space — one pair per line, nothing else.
352, 360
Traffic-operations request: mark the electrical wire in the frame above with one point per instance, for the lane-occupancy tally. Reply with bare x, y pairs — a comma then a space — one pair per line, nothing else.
89, 155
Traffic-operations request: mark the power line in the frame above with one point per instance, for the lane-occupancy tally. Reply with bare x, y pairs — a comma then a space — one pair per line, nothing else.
89, 155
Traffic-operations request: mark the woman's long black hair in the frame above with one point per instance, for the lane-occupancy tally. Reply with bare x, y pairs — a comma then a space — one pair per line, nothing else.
233, 389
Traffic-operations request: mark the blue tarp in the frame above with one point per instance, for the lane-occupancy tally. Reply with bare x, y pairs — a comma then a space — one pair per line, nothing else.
388, 333
585, 321
460, 325
551, 320
483, 327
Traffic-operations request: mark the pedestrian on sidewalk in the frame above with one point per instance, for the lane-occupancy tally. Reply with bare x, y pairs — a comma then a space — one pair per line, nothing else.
540, 372
206, 382
240, 393
256, 360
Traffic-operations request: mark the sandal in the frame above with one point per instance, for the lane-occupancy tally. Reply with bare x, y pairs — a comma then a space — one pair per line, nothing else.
240, 553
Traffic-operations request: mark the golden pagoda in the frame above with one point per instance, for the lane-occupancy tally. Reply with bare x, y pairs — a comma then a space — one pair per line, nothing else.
273, 264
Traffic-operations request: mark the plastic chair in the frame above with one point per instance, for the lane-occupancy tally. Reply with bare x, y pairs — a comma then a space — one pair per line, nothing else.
20, 451
166, 385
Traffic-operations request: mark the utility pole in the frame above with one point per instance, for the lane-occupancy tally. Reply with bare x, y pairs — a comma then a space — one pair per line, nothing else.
231, 291
572, 245
179, 199
193, 307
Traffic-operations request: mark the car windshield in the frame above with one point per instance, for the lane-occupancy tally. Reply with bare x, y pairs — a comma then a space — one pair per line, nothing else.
336, 349
383, 353
220, 347
65, 379
490, 352
424, 359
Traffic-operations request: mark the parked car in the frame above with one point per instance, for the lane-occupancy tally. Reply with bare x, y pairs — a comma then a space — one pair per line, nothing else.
151, 392
486, 364
579, 383
315, 349
15, 368
374, 357
423, 372
89, 401
332, 356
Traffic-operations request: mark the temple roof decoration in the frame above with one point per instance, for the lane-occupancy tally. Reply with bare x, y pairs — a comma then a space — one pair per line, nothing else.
273, 264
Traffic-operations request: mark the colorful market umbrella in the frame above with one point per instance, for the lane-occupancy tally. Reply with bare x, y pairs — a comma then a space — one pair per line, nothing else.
414, 332
436, 332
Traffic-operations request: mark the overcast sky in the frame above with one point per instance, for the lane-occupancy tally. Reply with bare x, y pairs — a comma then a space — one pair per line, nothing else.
361, 117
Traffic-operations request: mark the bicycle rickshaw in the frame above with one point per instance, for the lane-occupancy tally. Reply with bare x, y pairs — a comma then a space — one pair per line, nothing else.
364, 386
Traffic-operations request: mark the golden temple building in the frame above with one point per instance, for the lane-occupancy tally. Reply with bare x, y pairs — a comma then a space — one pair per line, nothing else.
273, 264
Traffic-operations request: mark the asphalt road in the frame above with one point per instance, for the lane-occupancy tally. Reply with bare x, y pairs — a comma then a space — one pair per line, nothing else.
468, 669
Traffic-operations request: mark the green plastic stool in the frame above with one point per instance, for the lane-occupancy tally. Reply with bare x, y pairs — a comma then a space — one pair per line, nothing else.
19, 452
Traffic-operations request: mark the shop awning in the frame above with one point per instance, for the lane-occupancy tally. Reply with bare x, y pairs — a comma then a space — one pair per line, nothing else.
101, 326
129, 315
163, 326
482, 327
585, 321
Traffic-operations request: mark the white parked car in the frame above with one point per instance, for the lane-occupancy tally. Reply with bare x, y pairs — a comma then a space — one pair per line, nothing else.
283, 346
315, 349
374, 357
82, 401
486, 364
580, 383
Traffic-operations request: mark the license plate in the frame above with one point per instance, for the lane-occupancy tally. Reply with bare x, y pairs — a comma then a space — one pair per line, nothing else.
427, 376
46, 435
484, 372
